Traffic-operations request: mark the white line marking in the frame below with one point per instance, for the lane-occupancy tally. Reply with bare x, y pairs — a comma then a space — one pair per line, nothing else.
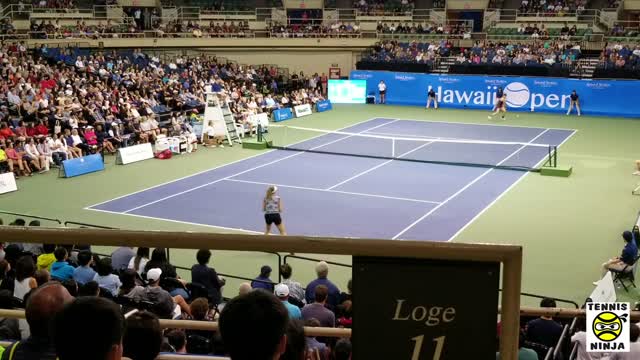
465, 188
334, 191
243, 172
178, 221
504, 192
377, 166
449, 139
495, 125
217, 167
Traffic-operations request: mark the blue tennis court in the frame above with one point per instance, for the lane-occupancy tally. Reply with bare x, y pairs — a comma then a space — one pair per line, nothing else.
325, 192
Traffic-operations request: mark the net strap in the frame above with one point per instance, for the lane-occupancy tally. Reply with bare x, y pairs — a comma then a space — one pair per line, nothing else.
413, 139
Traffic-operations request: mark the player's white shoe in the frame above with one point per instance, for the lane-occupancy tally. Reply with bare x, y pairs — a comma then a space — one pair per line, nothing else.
489, 117
636, 173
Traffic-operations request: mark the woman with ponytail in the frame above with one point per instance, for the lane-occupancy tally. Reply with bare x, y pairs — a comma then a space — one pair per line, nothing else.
272, 207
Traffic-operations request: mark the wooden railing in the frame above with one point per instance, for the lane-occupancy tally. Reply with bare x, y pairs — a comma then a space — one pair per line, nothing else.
509, 256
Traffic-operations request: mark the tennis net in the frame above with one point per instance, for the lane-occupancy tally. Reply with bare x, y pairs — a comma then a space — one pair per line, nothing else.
447, 151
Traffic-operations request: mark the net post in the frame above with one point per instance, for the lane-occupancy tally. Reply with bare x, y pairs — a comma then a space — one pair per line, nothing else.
393, 148
549, 157
555, 156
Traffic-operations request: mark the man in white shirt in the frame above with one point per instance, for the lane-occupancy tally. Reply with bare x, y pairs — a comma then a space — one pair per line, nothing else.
79, 64
382, 89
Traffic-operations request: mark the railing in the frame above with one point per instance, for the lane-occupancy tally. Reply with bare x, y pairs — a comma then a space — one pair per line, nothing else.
189, 13
509, 256
29, 216
313, 35
86, 225
94, 226
140, 35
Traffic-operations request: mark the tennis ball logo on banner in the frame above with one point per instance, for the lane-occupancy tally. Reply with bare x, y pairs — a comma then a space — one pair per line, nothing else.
517, 94
608, 327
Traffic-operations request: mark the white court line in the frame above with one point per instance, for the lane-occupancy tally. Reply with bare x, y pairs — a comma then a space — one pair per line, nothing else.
244, 171
377, 166
465, 188
504, 192
178, 221
334, 191
217, 167
426, 137
495, 125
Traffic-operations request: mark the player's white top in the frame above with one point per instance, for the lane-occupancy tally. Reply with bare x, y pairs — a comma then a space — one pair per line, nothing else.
382, 87
272, 205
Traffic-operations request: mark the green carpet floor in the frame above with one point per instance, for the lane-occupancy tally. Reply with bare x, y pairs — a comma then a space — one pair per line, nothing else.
567, 226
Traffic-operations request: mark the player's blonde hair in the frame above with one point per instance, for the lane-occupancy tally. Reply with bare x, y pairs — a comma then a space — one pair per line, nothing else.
270, 191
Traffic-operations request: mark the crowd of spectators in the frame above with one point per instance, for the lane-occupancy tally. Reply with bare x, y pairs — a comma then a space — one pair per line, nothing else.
381, 8
136, 290
107, 29
418, 52
544, 52
550, 7
619, 56
449, 30
542, 32
630, 30
315, 29
60, 104
54, 4
178, 28
547, 52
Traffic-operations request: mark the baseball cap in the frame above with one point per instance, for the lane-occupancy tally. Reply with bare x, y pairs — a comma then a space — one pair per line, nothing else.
281, 290
154, 274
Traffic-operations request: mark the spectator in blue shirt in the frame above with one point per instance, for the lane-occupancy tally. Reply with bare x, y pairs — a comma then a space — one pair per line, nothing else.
61, 270
627, 258
322, 270
282, 292
84, 273
265, 272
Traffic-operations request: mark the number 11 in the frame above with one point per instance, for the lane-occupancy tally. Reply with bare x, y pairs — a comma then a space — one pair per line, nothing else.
418, 347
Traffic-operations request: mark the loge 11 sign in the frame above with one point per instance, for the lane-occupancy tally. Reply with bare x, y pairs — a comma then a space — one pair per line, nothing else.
414, 309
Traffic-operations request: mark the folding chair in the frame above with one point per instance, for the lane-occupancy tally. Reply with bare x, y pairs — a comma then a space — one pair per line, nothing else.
628, 273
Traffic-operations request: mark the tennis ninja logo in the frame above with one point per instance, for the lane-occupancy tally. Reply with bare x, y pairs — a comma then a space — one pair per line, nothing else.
608, 327
518, 96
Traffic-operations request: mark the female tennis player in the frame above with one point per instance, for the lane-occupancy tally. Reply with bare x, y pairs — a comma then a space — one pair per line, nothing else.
382, 89
501, 106
272, 207
575, 101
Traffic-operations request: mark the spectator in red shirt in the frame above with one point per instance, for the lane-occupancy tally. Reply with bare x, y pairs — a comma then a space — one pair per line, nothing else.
31, 131
6, 132
42, 129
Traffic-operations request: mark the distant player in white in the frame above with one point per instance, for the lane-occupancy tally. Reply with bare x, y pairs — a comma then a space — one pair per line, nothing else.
431, 98
382, 89
501, 106
575, 101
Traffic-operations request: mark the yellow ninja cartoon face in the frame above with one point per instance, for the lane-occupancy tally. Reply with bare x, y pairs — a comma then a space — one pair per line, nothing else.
607, 326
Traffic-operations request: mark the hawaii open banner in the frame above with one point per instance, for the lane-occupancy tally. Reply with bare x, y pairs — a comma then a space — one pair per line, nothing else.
597, 97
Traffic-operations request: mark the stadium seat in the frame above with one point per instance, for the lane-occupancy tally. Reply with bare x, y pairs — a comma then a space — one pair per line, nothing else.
626, 274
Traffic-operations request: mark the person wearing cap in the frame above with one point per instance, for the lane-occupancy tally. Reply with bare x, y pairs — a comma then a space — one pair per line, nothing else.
163, 303
627, 258
272, 207
282, 292
263, 281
